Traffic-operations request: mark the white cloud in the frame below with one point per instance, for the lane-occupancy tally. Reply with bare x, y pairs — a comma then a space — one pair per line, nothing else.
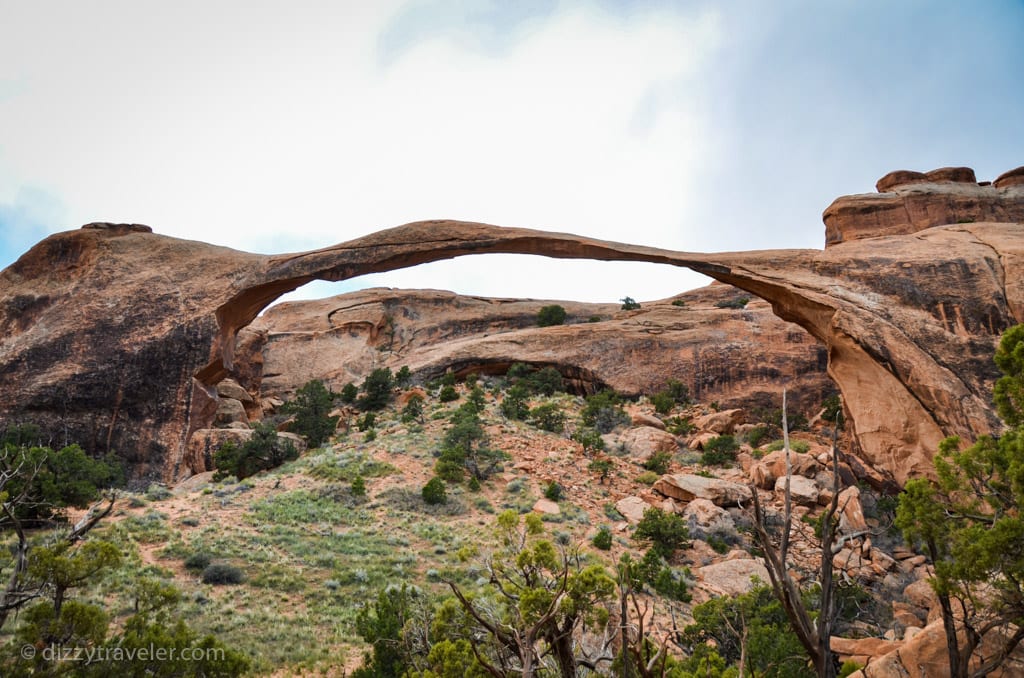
278, 129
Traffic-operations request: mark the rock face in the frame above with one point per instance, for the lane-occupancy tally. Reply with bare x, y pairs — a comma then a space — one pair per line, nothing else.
908, 202
115, 337
729, 355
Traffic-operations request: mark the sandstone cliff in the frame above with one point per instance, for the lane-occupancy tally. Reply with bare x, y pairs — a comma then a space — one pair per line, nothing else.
116, 337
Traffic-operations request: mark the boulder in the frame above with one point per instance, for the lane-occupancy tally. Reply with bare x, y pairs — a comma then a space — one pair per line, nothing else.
643, 441
698, 440
720, 423
731, 577
632, 508
866, 647
642, 419
802, 464
908, 615
761, 475
851, 512
296, 440
230, 411
920, 594
804, 491
229, 388
546, 506
686, 487
711, 519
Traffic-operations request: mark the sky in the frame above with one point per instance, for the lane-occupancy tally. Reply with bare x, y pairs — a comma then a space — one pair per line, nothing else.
283, 126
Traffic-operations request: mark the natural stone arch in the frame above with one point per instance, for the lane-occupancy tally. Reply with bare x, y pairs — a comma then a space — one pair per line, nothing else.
902, 398
117, 336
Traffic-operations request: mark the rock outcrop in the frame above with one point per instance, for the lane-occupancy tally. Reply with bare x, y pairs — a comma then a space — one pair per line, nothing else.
908, 202
724, 354
116, 337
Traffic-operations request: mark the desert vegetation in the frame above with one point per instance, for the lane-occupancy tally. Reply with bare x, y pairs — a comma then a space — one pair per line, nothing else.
510, 547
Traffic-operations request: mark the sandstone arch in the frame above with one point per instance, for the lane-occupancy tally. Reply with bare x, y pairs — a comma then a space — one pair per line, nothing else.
118, 335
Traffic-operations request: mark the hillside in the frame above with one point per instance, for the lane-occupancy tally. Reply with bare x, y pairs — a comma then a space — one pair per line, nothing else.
313, 553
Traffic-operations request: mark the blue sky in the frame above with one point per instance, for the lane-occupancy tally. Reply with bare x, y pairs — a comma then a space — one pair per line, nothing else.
689, 125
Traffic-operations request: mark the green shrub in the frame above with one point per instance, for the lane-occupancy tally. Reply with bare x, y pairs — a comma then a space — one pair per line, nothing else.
647, 478
158, 492
198, 561
801, 446
311, 408
604, 412
589, 438
602, 466
680, 426
663, 402
514, 404
548, 417
448, 394
756, 435
434, 491
736, 302
553, 491
222, 573
476, 399
551, 315
465, 446
263, 450
848, 668
719, 451
679, 391
594, 319
629, 304
413, 410
603, 539
377, 389
403, 377
547, 381
449, 470
658, 462
664, 532
718, 544
797, 421
832, 407
678, 302
358, 487
672, 585
349, 393
367, 421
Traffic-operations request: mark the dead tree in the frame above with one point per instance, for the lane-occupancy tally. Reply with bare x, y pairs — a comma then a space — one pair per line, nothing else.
814, 634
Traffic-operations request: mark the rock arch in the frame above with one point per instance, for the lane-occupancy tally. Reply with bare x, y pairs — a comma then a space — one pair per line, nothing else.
116, 337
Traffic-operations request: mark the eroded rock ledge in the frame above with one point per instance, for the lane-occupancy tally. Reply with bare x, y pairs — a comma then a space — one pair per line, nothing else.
116, 337
908, 202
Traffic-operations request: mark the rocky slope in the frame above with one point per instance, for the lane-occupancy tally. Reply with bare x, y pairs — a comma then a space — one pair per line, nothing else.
117, 337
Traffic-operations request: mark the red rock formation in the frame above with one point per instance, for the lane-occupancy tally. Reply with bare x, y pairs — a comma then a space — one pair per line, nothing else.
116, 337
908, 202
725, 354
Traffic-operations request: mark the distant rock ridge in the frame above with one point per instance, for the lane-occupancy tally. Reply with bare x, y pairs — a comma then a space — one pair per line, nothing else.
116, 337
